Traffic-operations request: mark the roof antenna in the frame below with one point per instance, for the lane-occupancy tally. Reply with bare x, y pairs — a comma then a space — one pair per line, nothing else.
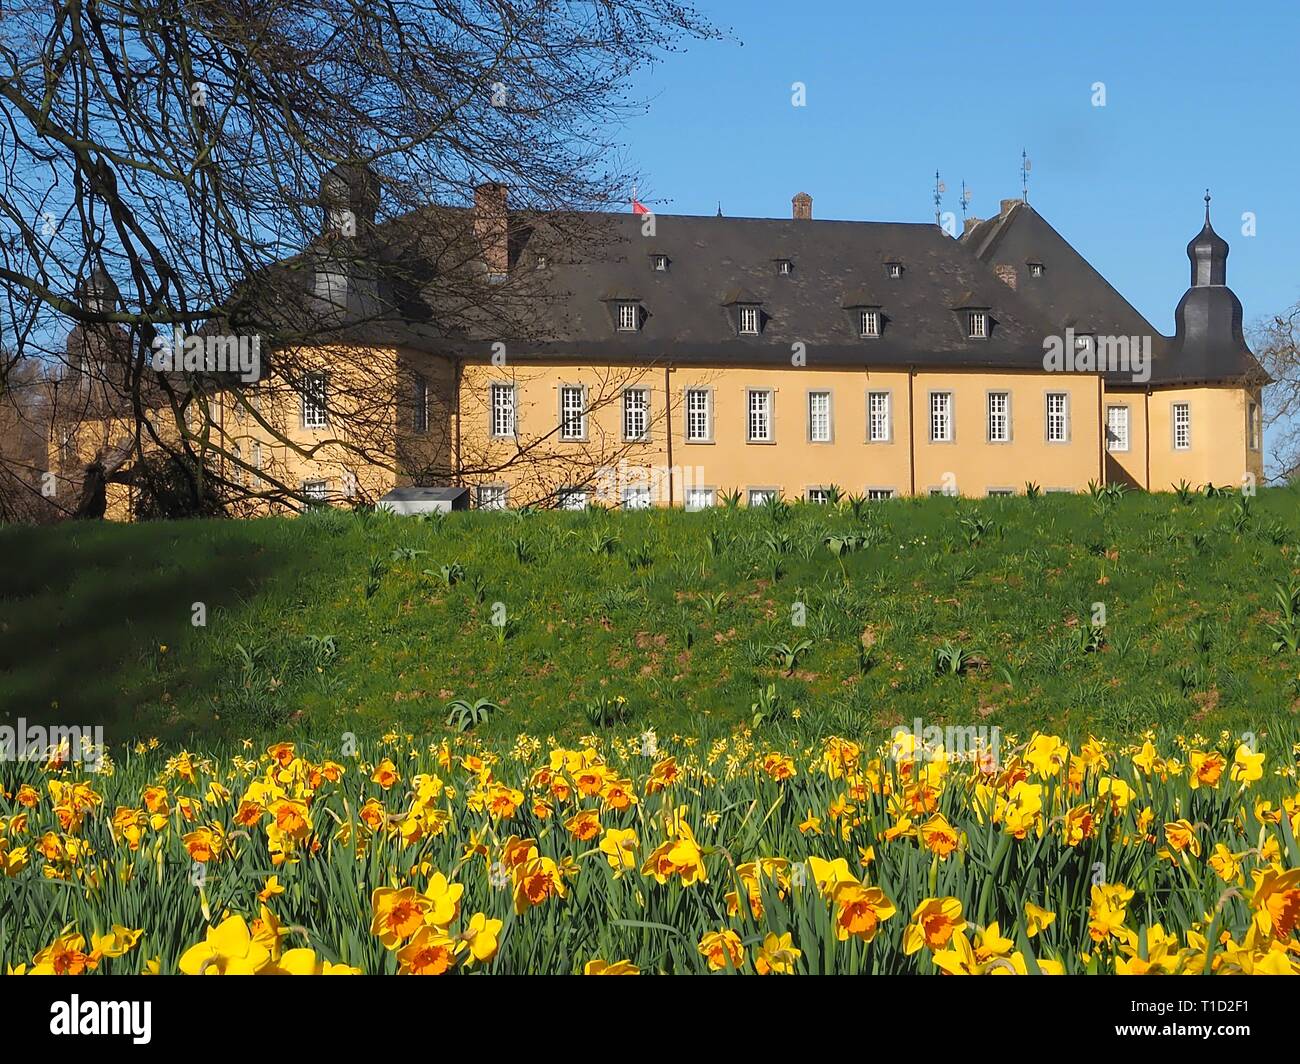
965, 199
939, 189
1025, 167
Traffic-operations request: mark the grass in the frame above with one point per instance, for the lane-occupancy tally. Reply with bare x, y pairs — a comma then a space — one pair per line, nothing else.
820, 619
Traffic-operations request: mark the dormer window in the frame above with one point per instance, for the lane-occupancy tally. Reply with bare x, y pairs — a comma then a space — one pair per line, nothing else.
977, 324
749, 321
542, 262
1035, 269
1082, 344
784, 267
629, 317
894, 269
659, 263
869, 323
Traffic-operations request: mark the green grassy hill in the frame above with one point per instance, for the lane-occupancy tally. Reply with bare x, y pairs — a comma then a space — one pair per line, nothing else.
955, 611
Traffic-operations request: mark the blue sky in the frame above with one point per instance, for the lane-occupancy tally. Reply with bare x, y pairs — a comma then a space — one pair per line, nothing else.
1197, 94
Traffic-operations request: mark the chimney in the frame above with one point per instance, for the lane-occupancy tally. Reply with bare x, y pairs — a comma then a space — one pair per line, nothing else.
969, 224
1006, 273
1007, 204
802, 207
491, 227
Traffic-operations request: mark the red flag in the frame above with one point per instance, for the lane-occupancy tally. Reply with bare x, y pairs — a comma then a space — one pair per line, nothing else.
638, 207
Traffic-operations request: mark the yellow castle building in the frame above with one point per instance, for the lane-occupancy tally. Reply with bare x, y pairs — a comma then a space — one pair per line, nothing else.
675, 360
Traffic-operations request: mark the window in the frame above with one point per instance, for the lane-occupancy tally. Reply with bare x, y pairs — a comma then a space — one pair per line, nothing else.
542, 262
503, 410
698, 428
762, 496
629, 317
573, 499
1058, 417
573, 413
999, 417
492, 497
1082, 344
749, 321
821, 496
894, 269
1254, 423
760, 417
878, 428
879, 494
869, 323
977, 324
315, 490
1182, 427
421, 403
819, 417
941, 417
1000, 493
314, 389
1117, 428
1035, 269
237, 470
636, 498
257, 463
660, 263
784, 267
699, 498
636, 413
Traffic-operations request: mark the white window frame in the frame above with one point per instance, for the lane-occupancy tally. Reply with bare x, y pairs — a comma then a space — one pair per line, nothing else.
1036, 269
636, 418
749, 320
573, 419
819, 496
880, 494
699, 411
573, 498
501, 400
659, 263
869, 323
941, 406
1115, 444
761, 496
784, 267
315, 397
492, 497
1056, 423
894, 270
316, 489
977, 324
1254, 425
1181, 412
629, 317
637, 497
421, 413
999, 421
826, 434
697, 499
754, 412
880, 416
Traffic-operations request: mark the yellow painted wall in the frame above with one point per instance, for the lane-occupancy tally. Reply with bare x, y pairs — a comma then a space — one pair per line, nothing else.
536, 463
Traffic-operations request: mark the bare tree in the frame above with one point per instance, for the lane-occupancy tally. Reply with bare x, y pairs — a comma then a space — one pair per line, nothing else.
1276, 343
167, 167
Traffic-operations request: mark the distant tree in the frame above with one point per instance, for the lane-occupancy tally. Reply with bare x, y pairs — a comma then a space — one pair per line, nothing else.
166, 165
1276, 343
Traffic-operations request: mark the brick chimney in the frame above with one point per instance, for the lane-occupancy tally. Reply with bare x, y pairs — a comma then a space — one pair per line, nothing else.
802, 203
491, 226
1006, 274
1007, 204
969, 224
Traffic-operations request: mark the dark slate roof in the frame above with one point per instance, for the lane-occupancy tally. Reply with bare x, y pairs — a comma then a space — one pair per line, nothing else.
1071, 293
716, 263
